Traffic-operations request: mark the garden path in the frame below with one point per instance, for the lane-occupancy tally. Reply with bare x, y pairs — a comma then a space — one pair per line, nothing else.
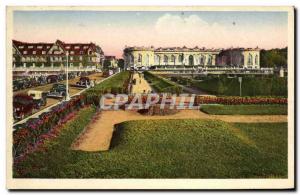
98, 134
141, 86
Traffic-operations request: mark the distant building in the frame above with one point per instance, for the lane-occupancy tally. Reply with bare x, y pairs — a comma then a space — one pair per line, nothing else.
240, 57
43, 55
183, 56
111, 62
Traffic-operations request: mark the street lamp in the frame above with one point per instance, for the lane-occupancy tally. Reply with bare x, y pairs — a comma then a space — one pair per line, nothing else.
67, 77
240, 81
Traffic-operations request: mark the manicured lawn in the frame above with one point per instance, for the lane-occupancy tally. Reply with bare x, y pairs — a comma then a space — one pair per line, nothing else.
245, 109
162, 85
167, 149
116, 81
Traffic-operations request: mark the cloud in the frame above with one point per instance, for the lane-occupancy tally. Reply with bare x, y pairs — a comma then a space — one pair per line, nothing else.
192, 30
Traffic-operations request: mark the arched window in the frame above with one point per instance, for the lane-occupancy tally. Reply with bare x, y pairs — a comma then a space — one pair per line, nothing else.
209, 60
191, 60
180, 58
131, 59
201, 60
173, 58
157, 59
147, 59
140, 58
256, 60
165, 58
250, 59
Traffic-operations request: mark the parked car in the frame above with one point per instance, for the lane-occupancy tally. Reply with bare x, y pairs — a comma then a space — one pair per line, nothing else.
52, 79
58, 90
83, 82
39, 97
23, 105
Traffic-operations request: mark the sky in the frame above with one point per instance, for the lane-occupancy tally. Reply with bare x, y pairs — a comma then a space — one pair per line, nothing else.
114, 30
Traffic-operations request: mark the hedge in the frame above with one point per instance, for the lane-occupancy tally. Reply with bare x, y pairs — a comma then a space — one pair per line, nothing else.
251, 86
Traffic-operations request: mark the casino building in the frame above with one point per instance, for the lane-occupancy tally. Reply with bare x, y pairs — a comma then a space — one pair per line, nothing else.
183, 56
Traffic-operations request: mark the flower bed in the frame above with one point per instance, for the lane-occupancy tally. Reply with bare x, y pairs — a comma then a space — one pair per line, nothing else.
156, 110
34, 130
238, 100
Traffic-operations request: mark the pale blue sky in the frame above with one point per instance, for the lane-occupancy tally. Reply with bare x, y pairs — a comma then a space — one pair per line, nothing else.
112, 30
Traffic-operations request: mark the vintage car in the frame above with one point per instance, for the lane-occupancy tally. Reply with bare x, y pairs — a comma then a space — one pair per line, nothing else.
39, 97
84, 82
21, 84
58, 90
23, 105
52, 78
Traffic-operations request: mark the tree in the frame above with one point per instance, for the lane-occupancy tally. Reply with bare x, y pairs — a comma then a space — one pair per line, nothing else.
121, 63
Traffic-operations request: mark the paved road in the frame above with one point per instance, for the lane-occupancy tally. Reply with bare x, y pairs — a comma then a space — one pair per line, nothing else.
51, 101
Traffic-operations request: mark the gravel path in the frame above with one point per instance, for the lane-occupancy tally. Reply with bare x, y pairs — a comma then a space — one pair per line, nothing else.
141, 86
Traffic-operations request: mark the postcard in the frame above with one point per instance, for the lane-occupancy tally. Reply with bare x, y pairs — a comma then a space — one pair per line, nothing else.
151, 97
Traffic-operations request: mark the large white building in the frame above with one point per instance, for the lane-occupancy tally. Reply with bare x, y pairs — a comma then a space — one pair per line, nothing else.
183, 56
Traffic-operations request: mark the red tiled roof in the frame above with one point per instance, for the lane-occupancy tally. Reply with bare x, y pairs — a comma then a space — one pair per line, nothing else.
72, 48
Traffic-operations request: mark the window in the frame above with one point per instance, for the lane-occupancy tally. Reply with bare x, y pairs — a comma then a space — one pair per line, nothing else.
39, 47
131, 58
165, 58
33, 52
30, 46
80, 58
201, 60
256, 60
157, 59
71, 57
76, 47
24, 52
81, 52
172, 58
140, 58
72, 52
21, 46
209, 60
250, 59
180, 58
43, 52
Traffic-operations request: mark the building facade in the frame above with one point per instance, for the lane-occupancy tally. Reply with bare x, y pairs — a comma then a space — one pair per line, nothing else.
176, 56
31, 55
111, 62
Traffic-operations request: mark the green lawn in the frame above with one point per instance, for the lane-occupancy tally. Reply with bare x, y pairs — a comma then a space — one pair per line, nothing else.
166, 149
116, 81
162, 85
245, 109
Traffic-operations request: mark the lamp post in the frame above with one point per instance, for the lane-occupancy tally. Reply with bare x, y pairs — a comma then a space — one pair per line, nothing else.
240, 81
67, 77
